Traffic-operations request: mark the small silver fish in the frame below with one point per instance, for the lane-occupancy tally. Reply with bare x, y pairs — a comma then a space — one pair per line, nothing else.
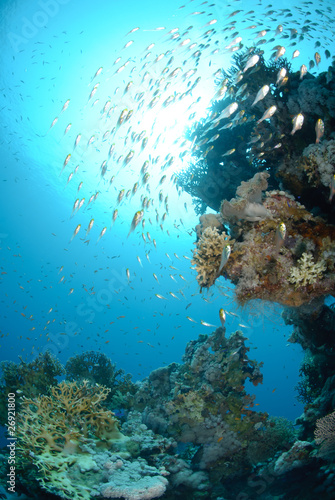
224, 257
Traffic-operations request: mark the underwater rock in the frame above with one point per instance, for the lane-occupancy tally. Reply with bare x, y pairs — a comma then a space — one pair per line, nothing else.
131, 480
297, 456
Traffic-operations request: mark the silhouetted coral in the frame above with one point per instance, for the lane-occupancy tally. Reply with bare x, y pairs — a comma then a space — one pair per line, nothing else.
97, 368
31, 379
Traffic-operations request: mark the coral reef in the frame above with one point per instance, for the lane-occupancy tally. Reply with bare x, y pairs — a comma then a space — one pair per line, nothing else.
31, 379
97, 368
207, 255
325, 435
216, 174
131, 480
192, 431
54, 431
204, 401
291, 268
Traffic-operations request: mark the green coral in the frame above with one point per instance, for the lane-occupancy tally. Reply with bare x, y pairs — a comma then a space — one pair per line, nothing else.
307, 271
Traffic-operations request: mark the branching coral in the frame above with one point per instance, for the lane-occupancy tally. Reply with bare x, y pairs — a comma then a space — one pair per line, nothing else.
207, 255
307, 271
54, 430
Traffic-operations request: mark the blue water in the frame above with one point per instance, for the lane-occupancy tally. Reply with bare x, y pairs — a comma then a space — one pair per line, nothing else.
50, 53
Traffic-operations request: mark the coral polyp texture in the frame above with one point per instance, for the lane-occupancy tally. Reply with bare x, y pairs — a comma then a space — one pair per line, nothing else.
281, 251
54, 433
206, 257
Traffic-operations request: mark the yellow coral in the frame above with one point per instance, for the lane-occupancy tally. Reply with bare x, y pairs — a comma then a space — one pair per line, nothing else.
207, 256
307, 271
53, 430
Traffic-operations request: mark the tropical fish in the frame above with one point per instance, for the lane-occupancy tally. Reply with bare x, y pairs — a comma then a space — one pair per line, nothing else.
75, 232
303, 71
54, 122
102, 233
66, 161
204, 323
229, 110
298, 121
280, 52
251, 62
66, 105
160, 296
90, 225
224, 257
319, 130
281, 75
136, 220
317, 58
222, 316
191, 319
268, 113
229, 152
67, 128
261, 94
